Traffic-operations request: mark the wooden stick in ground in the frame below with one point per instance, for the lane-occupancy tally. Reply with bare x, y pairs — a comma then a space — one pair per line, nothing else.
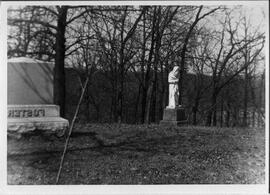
70, 130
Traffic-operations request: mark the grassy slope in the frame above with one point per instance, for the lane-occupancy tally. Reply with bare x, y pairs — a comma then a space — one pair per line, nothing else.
150, 155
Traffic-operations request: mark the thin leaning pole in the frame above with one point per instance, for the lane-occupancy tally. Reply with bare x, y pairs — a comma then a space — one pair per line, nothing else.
70, 130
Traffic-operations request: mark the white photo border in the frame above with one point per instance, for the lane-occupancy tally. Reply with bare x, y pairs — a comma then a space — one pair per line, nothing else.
121, 189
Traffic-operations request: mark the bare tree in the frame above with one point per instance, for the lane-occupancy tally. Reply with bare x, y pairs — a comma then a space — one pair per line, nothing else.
115, 34
198, 17
54, 19
227, 63
199, 59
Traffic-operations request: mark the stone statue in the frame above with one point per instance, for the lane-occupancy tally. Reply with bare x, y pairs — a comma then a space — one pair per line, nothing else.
174, 114
173, 79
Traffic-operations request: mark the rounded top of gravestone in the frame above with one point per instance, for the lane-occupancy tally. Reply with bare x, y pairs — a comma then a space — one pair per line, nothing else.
26, 60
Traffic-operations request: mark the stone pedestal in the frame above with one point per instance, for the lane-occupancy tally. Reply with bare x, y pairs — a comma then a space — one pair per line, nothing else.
28, 118
174, 116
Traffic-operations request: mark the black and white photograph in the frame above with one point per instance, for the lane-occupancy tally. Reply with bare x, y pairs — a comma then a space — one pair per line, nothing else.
125, 95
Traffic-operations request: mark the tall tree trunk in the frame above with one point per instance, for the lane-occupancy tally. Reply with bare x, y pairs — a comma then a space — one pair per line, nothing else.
143, 75
161, 99
154, 98
121, 75
158, 38
215, 116
212, 109
246, 80
121, 95
235, 117
87, 100
253, 117
228, 116
137, 104
258, 121
209, 118
113, 108
148, 103
166, 88
221, 111
195, 110
244, 123
146, 94
143, 104
114, 99
261, 102
161, 105
59, 69
194, 115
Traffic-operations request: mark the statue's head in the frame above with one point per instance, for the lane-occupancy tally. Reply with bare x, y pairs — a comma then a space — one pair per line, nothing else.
175, 69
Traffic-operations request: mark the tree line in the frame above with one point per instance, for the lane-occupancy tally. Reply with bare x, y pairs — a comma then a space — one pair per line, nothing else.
218, 45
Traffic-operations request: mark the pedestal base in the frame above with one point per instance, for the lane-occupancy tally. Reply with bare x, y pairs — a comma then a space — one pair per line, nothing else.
174, 116
28, 118
52, 124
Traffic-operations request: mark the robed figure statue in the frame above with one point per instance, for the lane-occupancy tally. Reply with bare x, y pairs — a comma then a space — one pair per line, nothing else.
173, 79
174, 114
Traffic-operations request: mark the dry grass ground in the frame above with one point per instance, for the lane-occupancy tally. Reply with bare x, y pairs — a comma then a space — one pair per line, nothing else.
138, 154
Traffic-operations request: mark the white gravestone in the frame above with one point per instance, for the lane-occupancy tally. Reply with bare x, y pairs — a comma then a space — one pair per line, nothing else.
30, 97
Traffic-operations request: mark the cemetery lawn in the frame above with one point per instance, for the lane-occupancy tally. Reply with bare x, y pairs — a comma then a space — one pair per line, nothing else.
141, 154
